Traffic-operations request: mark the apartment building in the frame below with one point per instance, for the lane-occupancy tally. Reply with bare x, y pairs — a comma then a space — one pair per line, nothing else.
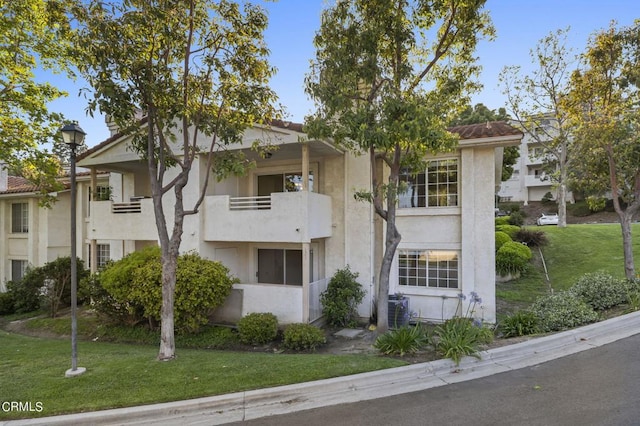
292, 221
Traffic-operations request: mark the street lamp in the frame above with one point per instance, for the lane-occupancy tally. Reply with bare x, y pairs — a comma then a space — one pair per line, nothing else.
73, 136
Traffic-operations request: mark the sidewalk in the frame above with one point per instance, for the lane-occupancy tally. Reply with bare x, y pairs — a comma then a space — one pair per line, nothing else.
285, 399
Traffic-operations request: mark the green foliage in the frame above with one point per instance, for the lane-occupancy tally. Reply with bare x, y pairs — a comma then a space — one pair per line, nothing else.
596, 204
547, 198
6, 304
26, 295
258, 328
35, 34
303, 337
532, 238
502, 220
133, 291
579, 209
512, 257
341, 299
522, 323
501, 238
562, 311
47, 286
600, 290
512, 230
516, 218
404, 340
458, 337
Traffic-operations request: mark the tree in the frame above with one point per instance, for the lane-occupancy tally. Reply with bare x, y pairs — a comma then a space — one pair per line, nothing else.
535, 102
603, 105
196, 70
481, 114
34, 34
382, 88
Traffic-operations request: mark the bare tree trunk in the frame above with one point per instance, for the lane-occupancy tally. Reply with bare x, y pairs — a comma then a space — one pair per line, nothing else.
167, 337
391, 244
562, 204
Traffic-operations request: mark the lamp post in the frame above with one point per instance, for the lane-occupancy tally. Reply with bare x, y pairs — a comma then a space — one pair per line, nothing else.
73, 136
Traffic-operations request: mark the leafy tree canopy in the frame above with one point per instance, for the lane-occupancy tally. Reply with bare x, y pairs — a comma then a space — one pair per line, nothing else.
33, 34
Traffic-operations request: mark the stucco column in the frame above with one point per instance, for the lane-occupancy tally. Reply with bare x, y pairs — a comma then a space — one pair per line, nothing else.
94, 244
306, 256
305, 167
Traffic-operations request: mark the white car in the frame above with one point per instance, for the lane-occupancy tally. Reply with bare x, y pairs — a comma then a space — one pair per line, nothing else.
547, 219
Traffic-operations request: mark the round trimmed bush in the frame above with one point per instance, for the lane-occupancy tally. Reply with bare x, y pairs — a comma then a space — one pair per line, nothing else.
303, 337
601, 290
502, 220
341, 299
133, 289
562, 311
512, 230
501, 238
258, 328
512, 258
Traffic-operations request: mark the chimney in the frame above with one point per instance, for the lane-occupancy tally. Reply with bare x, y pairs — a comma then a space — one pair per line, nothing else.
4, 177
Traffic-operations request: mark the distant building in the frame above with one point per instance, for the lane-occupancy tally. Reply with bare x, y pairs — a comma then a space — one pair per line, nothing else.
529, 182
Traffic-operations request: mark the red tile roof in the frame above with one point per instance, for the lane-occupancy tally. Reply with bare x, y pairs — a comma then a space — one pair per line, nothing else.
20, 185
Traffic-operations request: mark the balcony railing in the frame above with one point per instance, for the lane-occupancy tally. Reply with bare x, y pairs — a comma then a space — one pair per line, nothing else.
280, 217
250, 203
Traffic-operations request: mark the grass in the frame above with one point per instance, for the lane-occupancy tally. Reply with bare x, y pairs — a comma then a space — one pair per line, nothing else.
119, 375
571, 252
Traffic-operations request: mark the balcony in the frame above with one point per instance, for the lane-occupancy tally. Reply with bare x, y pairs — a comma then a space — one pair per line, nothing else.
134, 220
531, 181
293, 217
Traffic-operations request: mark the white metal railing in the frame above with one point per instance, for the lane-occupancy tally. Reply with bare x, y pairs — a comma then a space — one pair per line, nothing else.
133, 207
250, 203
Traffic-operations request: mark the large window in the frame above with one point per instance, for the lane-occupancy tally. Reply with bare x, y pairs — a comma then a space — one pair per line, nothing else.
19, 218
437, 187
18, 269
428, 268
277, 266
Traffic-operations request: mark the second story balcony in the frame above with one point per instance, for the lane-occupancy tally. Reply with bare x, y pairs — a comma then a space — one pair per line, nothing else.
294, 217
133, 220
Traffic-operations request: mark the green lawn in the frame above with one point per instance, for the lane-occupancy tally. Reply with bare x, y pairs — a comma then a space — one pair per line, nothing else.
118, 375
571, 252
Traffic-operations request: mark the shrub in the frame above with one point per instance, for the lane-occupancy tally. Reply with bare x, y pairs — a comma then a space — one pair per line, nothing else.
511, 230
458, 337
596, 204
502, 220
303, 337
26, 295
404, 340
521, 323
513, 207
341, 299
516, 218
579, 209
600, 290
562, 311
258, 328
6, 304
512, 258
134, 289
501, 238
532, 238
547, 198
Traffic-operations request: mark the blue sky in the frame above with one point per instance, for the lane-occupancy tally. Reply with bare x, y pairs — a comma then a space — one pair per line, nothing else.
520, 24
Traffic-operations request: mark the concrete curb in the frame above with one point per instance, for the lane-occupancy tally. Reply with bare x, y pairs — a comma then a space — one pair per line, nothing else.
359, 387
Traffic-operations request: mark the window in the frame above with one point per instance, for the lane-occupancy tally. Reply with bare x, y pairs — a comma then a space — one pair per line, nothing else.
282, 182
18, 269
19, 218
277, 266
428, 268
103, 254
438, 187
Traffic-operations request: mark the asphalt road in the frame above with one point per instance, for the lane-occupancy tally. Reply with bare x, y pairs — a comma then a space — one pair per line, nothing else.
600, 386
